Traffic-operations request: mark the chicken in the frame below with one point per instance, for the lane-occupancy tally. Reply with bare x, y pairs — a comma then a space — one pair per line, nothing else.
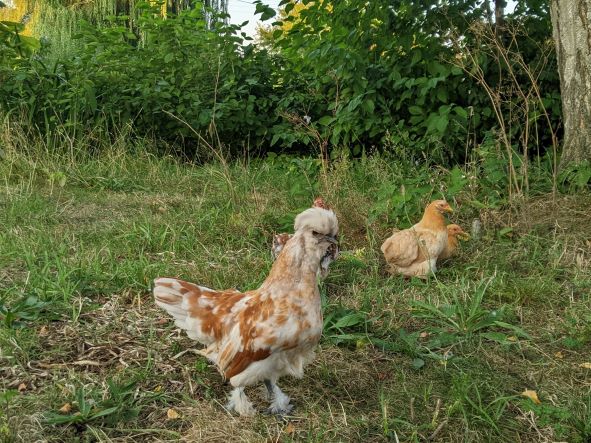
454, 234
279, 241
413, 252
266, 333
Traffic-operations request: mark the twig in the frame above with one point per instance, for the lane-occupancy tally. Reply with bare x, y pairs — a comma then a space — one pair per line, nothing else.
180, 354
436, 414
438, 430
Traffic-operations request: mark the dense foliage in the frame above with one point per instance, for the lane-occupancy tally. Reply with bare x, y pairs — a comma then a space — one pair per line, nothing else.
402, 76
394, 73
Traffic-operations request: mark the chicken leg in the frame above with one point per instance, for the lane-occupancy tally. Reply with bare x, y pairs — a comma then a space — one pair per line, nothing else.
279, 400
239, 402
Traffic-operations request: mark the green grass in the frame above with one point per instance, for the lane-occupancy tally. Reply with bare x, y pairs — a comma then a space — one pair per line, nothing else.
443, 360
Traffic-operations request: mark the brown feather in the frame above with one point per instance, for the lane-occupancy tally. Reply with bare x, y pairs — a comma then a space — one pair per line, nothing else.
454, 232
243, 359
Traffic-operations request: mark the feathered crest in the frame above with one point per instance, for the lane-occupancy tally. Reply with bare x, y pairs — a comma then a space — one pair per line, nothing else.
317, 219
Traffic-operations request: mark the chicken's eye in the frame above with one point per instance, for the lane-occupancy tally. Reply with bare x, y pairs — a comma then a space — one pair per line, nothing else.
316, 233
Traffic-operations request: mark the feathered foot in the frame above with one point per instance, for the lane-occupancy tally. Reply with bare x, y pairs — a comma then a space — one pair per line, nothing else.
239, 402
279, 400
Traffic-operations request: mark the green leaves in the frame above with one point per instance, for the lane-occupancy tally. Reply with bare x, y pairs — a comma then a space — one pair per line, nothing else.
118, 405
266, 11
197, 75
343, 325
326, 120
456, 182
576, 176
13, 45
370, 73
384, 78
465, 317
7, 395
418, 363
415, 110
26, 308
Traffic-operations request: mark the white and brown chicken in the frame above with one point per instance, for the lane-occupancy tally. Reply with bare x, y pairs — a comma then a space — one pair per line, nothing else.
263, 334
280, 240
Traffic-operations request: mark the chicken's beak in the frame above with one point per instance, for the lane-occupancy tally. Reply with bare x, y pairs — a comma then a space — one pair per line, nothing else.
331, 239
464, 236
448, 209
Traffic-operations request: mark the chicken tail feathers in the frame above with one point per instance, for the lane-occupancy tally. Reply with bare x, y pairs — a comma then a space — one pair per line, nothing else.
168, 294
198, 310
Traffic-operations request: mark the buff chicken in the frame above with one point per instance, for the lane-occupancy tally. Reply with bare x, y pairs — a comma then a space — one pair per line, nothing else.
413, 252
454, 234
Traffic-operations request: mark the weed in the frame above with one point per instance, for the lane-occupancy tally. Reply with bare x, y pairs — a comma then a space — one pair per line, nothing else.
5, 399
470, 403
119, 405
462, 318
342, 325
26, 308
573, 421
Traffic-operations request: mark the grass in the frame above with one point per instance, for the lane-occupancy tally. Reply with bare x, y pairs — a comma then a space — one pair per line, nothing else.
441, 360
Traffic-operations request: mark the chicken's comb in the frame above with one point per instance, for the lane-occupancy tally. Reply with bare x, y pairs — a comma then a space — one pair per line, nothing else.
320, 203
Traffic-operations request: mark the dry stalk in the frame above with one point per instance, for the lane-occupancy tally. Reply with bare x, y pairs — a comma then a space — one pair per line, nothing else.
509, 59
215, 152
321, 142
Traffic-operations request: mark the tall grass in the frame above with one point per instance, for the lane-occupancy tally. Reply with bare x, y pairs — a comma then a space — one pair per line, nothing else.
56, 24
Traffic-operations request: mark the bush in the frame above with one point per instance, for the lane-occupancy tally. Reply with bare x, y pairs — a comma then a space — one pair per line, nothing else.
396, 77
173, 78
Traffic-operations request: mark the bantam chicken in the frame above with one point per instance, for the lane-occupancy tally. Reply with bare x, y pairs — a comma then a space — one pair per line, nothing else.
279, 241
264, 334
413, 252
454, 234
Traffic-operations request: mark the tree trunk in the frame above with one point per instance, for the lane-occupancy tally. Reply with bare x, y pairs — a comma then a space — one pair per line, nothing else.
499, 13
571, 22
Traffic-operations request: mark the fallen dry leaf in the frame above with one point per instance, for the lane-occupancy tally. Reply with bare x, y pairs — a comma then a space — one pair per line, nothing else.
382, 376
289, 429
172, 414
424, 334
586, 365
66, 409
512, 338
559, 354
22, 387
43, 331
532, 395
360, 344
